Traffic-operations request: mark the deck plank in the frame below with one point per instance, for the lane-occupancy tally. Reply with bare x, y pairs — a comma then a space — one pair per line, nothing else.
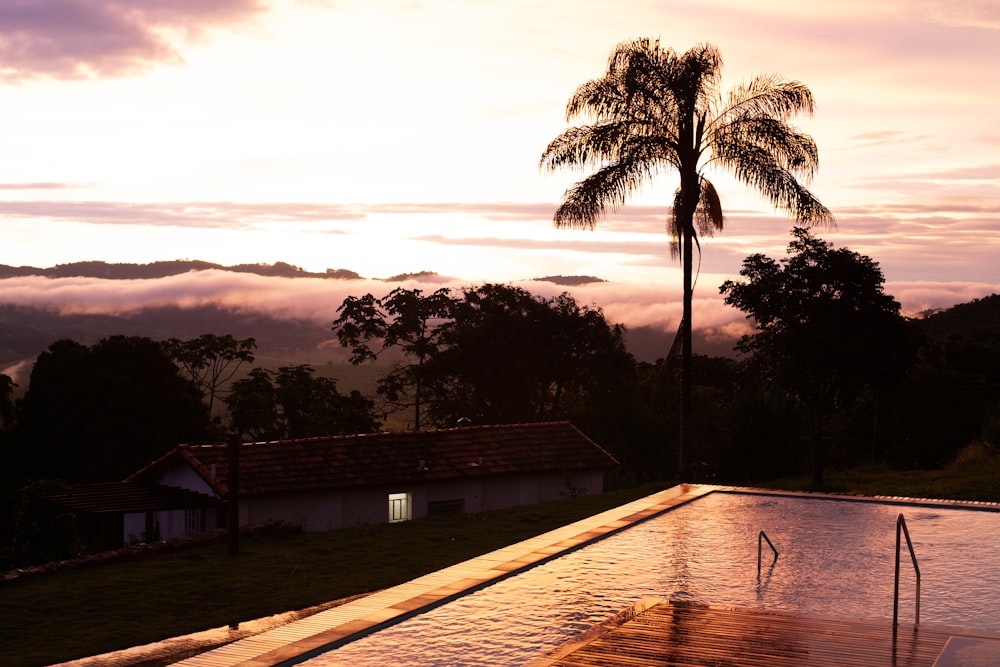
683, 634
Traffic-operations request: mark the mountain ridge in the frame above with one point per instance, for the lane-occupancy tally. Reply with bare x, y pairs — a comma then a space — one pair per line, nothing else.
165, 268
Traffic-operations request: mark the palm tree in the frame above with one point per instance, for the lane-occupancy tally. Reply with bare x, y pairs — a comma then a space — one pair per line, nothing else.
656, 111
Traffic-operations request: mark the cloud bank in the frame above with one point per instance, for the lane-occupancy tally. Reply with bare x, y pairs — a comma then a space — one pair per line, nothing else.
80, 39
657, 306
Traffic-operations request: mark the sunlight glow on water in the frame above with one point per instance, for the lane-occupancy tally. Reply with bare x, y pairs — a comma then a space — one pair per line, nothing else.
837, 559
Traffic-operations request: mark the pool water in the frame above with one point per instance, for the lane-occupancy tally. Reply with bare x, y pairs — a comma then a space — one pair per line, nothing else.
836, 558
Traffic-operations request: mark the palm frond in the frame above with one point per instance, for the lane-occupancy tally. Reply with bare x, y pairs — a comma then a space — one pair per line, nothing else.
761, 170
655, 109
792, 149
766, 96
674, 226
609, 187
600, 99
584, 146
709, 216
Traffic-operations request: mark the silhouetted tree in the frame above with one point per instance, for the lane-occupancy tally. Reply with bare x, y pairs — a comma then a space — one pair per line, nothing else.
406, 319
294, 403
655, 111
253, 407
825, 329
211, 360
6, 401
100, 413
508, 356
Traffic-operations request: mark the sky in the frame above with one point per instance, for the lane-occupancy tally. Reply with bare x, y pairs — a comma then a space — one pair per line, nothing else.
389, 137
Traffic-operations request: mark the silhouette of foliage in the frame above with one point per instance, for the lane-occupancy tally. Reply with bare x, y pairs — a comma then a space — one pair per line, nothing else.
825, 329
211, 360
101, 412
404, 319
293, 403
508, 356
497, 354
6, 401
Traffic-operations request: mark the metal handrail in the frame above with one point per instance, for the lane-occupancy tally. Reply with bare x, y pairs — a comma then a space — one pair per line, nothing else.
901, 528
760, 539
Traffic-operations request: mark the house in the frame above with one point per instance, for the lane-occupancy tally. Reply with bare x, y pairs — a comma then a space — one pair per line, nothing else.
332, 482
99, 511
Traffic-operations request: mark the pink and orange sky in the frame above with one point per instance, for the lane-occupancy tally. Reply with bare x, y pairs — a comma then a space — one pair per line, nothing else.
391, 137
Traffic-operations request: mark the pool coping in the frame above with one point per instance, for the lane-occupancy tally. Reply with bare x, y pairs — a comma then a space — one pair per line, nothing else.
304, 638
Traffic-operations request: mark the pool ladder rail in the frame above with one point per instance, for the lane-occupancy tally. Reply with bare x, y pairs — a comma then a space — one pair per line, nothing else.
761, 537
902, 530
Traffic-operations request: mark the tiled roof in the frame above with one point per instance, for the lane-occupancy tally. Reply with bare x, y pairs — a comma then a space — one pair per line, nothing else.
114, 497
391, 458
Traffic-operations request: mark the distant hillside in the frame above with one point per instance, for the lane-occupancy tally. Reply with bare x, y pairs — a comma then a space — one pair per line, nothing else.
651, 343
162, 269
26, 331
569, 281
97, 269
978, 317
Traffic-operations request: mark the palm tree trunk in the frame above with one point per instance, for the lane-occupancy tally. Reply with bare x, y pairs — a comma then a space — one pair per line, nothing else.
684, 443
667, 367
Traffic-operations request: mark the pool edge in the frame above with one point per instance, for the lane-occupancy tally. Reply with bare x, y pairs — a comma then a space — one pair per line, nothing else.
302, 639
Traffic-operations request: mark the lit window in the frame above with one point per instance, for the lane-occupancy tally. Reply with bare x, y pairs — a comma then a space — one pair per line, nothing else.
399, 507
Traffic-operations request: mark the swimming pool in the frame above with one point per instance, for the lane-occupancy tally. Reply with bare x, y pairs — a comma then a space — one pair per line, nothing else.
837, 558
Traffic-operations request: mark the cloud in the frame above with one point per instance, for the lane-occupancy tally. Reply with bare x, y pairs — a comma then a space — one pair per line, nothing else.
656, 248
982, 14
917, 296
180, 214
657, 306
238, 214
40, 186
79, 39
316, 298
886, 137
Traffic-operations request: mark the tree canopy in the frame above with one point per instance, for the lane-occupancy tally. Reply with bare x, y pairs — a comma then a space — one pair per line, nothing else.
101, 412
404, 319
211, 360
293, 403
825, 327
509, 356
496, 354
6, 401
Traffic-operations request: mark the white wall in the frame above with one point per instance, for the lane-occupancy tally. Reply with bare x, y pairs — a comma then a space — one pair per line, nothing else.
171, 523
320, 511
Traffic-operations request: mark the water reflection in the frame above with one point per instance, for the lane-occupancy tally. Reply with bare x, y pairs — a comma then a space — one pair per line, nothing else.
836, 559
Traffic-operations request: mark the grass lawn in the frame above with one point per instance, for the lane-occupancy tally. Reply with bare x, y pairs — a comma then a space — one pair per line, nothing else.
87, 611
90, 610
976, 476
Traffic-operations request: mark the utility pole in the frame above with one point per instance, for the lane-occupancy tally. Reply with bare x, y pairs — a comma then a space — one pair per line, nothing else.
233, 497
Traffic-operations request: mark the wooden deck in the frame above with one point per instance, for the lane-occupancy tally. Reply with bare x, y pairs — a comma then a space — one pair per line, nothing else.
678, 634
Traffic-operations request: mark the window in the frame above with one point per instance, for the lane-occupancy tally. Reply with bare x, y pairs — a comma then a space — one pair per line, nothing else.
399, 507
193, 521
439, 507
198, 520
